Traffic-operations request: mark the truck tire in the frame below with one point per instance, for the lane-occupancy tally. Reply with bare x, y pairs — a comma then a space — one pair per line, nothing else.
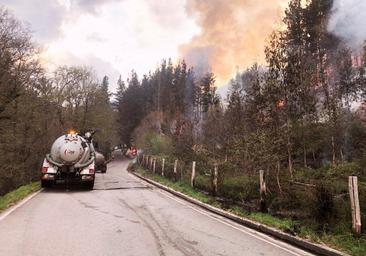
103, 168
46, 184
89, 185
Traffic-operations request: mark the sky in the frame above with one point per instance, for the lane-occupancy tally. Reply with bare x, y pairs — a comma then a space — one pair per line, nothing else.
116, 36
111, 36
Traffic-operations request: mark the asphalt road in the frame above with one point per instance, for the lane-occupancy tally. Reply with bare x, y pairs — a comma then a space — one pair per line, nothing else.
125, 216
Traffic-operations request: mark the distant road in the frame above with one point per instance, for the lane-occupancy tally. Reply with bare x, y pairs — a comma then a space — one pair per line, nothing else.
124, 216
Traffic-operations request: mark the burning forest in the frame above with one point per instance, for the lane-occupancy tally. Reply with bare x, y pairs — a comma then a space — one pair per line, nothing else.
294, 111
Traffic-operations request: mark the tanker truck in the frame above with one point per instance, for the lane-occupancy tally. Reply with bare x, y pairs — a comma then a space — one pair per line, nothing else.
100, 162
72, 159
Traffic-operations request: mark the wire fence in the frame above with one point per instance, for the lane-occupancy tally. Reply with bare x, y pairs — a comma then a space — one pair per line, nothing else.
326, 202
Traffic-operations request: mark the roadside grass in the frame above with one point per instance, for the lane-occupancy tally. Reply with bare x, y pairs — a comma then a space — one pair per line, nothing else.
178, 186
20, 193
343, 240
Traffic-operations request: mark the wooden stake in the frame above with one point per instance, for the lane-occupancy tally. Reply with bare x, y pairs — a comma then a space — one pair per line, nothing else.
355, 205
175, 169
162, 167
262, 191
215, 180
193, 176
154, 165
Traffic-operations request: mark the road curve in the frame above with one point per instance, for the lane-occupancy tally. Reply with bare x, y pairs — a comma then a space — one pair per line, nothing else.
126, 216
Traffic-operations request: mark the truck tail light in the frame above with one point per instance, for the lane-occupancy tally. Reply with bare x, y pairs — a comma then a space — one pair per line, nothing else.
44, 169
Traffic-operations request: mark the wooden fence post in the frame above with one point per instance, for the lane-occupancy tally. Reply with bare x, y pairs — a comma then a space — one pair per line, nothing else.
262, 191
355, 205
147, 162
154, 165
215, 180
175, 169
162, 167
151, 163
193, 176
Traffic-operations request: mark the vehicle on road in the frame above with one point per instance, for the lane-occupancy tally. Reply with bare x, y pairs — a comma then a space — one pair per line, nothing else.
100, 162
131, 152
72, 159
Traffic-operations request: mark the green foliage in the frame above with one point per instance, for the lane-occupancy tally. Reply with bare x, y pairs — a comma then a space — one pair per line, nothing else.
285, 225
157, 144
240, 188
324, 207
178, 186
203, 182
20, 193
342, 171
36, 107
338, 236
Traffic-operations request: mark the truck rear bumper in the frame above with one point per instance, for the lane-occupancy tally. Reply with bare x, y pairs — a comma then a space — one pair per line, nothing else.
71, 177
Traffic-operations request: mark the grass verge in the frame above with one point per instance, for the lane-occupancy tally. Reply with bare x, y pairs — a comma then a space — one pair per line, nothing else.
20, 193
344, 241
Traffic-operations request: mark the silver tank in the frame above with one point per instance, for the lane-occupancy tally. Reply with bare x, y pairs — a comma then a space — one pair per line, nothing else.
70, 149
99, 158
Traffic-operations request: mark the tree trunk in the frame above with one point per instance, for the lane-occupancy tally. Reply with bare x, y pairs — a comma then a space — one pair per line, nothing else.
289, 157
334, 163
342, 155
278, 176
289, 151
305, 153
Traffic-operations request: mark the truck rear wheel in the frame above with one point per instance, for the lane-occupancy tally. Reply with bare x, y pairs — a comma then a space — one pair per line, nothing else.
46, 184
103, 168
89, 185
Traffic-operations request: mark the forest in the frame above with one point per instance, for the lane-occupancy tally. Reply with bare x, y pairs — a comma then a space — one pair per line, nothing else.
305, 109
37, 107
301, 117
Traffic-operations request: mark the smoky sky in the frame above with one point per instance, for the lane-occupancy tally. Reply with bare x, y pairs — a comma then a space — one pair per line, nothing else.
44, 18
233, 34
348, 21
91, 6
121, 35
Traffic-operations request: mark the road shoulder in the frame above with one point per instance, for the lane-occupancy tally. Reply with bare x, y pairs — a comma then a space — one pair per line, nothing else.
17, 204
296, 241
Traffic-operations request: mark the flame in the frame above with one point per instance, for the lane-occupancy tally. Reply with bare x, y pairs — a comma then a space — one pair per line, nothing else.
280, 103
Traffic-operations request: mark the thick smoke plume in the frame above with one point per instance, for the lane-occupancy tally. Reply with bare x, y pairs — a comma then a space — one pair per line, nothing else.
233, 34
348, 21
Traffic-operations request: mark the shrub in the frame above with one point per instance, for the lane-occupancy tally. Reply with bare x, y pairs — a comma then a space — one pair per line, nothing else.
239, 188
155, 144
324, 209
344, 170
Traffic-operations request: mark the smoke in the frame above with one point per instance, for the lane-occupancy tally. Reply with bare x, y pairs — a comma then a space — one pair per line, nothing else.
348, 21
233, 34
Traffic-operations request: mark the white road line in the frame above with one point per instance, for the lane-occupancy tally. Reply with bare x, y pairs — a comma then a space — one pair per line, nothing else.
241, 229
216, 217
18, 205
